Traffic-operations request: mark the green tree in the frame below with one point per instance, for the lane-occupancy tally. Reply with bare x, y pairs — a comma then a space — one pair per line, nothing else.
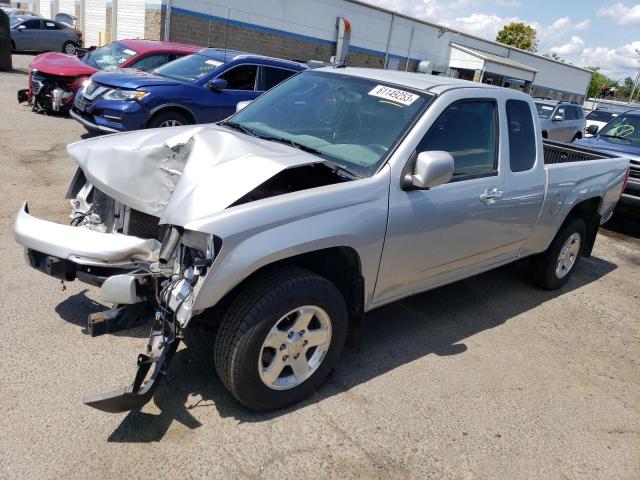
518, 35
598, 82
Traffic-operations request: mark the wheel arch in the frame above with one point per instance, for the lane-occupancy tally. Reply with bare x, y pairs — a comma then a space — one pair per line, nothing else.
168, 107
588, 210
341, 265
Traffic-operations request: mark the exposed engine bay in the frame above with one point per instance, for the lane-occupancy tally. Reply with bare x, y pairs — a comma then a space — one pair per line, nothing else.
49, 93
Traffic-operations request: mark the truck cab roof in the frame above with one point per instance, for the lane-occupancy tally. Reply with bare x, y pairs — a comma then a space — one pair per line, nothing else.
418, 81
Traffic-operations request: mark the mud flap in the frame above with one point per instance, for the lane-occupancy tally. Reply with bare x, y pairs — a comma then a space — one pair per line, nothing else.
140, 392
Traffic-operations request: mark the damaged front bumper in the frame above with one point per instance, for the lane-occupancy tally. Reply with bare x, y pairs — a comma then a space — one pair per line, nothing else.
138, 275
82, 245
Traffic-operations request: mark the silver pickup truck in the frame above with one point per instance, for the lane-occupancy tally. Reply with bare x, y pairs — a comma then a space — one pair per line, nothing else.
340, 190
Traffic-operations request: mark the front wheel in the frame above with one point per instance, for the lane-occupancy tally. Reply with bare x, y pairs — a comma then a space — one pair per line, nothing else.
553, 268
69, 48
168, 119
280, 338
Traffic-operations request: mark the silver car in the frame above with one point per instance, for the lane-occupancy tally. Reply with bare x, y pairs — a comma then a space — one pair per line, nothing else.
561, 121
41, 35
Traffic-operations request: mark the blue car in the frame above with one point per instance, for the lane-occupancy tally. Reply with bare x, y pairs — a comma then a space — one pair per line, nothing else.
621, 136
199, 88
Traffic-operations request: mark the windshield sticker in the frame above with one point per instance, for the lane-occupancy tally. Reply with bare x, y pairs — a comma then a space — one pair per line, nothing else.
129, 52
49, 24
393, 94
213, 62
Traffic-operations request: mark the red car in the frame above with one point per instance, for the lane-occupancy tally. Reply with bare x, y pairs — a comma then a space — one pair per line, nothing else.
55, 77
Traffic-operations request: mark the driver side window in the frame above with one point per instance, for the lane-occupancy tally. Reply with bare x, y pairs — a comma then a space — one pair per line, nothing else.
468, 131
242, 77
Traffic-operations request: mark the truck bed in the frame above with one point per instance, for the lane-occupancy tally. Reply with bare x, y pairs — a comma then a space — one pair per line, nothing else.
557, 152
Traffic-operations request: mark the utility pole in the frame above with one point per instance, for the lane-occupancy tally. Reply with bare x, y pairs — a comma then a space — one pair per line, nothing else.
636, 81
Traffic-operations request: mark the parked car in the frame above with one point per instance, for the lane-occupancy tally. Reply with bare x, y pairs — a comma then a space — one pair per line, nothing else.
200, 88
336, 192
560, 121
40, 35
599, 117
621, 136
18, 12
54, 78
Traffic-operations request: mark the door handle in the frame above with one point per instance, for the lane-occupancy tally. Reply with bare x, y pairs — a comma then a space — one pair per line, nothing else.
491, 195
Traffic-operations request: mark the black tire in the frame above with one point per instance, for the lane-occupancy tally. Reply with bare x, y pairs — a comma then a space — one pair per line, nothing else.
13, 46
543, 266
69, 48
162, 118
254, 311
577, 136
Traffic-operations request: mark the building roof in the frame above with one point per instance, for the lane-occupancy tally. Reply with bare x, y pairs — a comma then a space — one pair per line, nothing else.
490, 57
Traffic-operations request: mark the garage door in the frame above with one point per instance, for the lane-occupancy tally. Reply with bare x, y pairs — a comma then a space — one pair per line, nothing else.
129, 19
95, 21
45, 8
67, 6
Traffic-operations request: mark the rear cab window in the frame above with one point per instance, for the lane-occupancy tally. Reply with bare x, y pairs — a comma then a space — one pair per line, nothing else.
522, 138
468, 130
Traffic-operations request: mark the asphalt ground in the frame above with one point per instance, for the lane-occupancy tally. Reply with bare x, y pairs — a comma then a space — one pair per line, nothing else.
489, 378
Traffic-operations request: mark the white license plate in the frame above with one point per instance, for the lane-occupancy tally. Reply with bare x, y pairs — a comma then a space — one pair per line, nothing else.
81, 104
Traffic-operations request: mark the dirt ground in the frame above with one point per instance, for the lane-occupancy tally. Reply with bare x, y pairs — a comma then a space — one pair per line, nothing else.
488, 378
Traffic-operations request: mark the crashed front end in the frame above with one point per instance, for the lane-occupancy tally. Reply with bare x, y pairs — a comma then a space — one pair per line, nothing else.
133, 198
145, 276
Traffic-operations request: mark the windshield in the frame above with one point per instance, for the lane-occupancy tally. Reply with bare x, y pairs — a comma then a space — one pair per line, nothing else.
624, 127
350, 121
109, 56
189, 68
601, 115
544, 110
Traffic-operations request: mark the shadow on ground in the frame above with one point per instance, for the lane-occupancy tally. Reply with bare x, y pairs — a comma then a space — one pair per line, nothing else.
436, 322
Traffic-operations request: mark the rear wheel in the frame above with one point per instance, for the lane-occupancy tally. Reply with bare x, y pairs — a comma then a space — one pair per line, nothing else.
13, 46
168, 119
280, 337
553, 268
69, 48
577, 136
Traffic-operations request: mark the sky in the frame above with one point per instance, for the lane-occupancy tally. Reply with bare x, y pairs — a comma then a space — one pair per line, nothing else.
586, 33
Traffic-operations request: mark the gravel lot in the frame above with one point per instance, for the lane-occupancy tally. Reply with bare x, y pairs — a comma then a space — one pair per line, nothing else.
487, 378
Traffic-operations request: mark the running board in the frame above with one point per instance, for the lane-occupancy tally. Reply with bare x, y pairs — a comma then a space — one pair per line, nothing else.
140, 392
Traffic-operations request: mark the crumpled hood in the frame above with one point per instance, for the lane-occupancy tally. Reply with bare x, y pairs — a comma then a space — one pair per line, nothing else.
56, 63
182, 173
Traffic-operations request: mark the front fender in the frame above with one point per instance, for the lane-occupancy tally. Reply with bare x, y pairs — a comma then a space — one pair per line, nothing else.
351, 214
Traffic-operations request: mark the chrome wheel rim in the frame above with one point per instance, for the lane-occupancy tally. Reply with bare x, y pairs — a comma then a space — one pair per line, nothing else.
568, 255
295, 347
70, 49
170, 123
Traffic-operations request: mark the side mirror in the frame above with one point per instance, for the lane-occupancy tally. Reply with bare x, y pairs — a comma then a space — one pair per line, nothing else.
592, 129
217, 84
243, 104
430, 170
558, 118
